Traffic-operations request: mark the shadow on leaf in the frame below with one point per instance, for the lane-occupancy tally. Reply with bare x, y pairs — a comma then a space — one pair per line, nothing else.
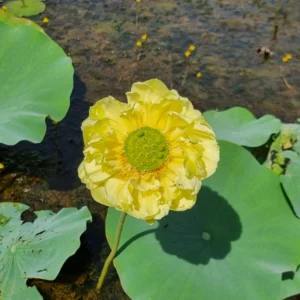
202, 233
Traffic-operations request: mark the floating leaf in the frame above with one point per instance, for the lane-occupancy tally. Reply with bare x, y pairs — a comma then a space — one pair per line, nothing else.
239, 126
291, 180
36, 81
38, 249
296, 146
25, 8
235, 243
290, 285
12, 20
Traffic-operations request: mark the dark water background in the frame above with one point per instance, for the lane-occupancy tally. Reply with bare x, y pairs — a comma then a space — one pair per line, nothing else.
101, 36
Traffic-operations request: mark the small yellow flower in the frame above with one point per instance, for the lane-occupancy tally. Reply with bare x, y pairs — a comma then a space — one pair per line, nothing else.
199, 74
4, 8
287, 57
148, 156
45, 20
187, 53
192, 47
139, 43
1, 166
138, 1
144, 36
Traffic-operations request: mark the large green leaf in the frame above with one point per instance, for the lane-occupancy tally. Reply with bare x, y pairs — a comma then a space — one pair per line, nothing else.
12, 20
36, 81
291, 180
235, 243
35, 250
26, 8
239, 126
291, 284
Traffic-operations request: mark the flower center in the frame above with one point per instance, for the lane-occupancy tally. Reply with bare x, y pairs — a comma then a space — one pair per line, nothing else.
146, 148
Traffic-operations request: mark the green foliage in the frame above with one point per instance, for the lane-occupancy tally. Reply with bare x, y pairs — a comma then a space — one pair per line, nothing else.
38, 249
36, 81
284, 160
8, 18
291, 284
25, 8
235, 243
291, 180
239, 126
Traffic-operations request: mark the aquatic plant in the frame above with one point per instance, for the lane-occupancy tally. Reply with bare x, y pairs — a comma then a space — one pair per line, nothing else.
191, 47
34, 84
284, 160
25, 8
144, 37
287, 57
236, 242
141, 45
228, 233
36, 249
10, 19
240, 216
239, 126
188, 52
149, 156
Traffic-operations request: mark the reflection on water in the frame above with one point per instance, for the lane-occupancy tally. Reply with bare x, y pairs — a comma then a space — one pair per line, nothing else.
101, 37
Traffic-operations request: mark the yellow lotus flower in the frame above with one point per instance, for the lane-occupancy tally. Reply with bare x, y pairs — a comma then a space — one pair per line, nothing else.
148, 156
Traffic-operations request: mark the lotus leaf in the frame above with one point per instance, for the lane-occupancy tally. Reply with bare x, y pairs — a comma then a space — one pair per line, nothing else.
291, 180
238, 125
235, 243
12, 20
291, 284
38, 249
25, 8
36, 81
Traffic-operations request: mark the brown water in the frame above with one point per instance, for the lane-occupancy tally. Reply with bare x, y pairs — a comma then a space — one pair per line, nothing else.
101, 37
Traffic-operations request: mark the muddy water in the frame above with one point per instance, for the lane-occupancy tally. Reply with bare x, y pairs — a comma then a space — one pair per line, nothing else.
101, 36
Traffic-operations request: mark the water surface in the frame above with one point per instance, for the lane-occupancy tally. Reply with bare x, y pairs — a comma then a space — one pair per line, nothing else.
100, 36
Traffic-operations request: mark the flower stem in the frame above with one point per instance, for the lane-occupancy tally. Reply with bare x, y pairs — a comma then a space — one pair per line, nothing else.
112, 252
